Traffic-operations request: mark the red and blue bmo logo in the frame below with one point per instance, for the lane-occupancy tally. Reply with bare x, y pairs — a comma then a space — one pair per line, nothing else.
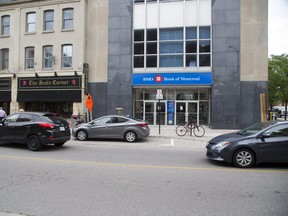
158, 78
199, 78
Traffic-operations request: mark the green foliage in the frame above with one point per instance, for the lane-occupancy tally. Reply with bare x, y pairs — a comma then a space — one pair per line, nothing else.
278, 79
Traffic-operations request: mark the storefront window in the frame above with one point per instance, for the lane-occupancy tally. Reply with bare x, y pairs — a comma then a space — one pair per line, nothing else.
150, 94
138, 109
204, 94
203, 112
175, 106
138, 94
187, 94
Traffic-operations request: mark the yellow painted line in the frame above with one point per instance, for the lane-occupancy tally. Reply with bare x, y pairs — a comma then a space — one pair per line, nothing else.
143, 166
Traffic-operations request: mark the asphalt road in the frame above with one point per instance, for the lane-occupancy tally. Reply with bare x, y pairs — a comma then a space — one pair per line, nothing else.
151, 177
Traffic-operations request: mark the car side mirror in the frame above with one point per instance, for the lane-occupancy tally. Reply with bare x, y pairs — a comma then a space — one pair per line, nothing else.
264, 135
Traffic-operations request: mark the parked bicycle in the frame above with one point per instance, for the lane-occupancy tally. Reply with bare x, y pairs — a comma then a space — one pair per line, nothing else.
182, 130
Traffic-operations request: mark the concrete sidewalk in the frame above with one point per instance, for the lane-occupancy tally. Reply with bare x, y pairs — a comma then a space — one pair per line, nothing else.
170, 133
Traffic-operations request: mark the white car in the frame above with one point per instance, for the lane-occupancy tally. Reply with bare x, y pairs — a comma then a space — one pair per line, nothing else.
281, 110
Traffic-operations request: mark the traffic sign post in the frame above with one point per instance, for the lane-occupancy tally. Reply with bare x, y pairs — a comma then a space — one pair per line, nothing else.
159, 97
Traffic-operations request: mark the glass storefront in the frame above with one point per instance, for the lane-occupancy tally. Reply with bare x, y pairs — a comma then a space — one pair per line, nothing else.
63, 108
178, 105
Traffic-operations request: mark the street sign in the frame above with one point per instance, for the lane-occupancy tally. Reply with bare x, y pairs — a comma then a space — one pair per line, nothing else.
159, 95
89, 102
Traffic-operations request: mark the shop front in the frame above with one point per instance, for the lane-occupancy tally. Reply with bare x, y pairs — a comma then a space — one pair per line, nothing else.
5, 94
49, 94
186, 97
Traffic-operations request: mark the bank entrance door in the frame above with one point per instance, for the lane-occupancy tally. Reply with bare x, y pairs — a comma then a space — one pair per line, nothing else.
186, 111
152, 110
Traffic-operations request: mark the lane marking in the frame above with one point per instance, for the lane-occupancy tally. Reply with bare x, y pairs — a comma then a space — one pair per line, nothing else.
142, 166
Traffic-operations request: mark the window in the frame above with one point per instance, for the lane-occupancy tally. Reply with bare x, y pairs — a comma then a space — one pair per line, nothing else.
171, 48
278, 131
12, 118
191, 47
67, 56
102, 121
48, 20
68, 18
4, 59
31, 22
24, 118
151, 48
204, 46
5, 25
138, 48
48, 57
29, 56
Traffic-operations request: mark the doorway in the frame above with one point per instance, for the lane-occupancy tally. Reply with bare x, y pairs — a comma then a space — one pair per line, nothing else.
171, 112
186, 111
155, 111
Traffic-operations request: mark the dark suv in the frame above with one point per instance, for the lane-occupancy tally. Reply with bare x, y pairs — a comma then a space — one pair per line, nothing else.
34, 129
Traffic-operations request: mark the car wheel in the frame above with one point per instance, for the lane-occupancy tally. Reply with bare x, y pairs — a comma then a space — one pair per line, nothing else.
33, 143
244, 158
130, 136
59, 144
82, 135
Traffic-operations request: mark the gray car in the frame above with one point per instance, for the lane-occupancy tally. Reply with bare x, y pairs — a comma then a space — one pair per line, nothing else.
264, 142
112, 127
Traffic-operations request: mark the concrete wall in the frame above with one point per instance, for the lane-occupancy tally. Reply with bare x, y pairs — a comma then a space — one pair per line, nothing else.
119, 88
97, 54
240, 55
226, 64
254, 58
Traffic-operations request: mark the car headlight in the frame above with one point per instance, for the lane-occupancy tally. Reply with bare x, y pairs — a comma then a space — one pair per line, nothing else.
222, 144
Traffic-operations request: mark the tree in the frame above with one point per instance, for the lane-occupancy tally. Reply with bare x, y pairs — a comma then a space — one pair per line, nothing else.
278, 80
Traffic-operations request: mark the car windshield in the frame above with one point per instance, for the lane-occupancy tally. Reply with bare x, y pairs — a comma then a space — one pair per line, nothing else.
253, 129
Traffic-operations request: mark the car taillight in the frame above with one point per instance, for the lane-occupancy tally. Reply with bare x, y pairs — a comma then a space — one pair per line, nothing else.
143, 125
47, 125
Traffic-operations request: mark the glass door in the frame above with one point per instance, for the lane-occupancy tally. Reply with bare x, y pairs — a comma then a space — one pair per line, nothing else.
186, 111
161, 111
180, 113
152, 111
193, 111
149, 112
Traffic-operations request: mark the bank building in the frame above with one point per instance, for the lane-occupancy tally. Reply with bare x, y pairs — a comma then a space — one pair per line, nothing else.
207, 58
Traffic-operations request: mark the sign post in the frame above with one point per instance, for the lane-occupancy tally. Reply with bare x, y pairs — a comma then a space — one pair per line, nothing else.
159, 97
89, 105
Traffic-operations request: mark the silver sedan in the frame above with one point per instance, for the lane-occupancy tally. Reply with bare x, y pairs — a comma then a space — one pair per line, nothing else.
112, 127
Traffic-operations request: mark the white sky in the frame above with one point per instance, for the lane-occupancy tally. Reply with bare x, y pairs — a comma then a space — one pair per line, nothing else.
278, 27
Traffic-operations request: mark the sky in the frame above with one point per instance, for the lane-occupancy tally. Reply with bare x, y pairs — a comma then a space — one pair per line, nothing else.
278, 27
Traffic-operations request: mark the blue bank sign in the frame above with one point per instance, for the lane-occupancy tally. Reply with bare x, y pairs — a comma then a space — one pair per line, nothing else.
172, 79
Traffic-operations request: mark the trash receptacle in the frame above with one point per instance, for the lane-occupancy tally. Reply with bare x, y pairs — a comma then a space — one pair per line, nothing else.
273, 116
119, 110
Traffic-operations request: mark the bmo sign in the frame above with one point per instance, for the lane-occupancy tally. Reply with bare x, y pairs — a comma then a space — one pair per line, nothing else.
158, 79
199, 78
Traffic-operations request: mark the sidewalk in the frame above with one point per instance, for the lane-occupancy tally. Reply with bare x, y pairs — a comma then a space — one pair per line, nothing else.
169, 133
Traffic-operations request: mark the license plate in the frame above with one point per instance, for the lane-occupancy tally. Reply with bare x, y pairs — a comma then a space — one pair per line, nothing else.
62, 128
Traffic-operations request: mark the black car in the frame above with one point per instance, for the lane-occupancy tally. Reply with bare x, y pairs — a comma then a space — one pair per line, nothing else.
34, 129
265, 142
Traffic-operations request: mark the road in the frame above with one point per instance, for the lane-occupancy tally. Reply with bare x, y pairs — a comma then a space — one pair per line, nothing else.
151, 177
